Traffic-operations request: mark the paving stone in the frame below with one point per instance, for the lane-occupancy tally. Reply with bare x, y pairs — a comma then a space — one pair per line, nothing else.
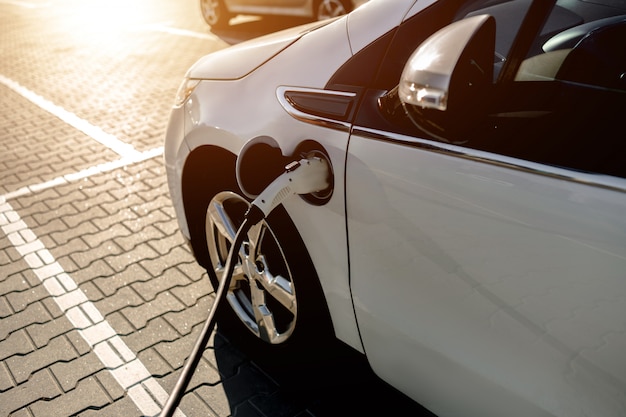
70, 197
104, 249
95, 190
91, 291
88, 394
19, 300
96, 269
157, 265
153, 334
6, 380
170, 279
13, 283
168, 227
110, 284
42, 332
58, 231
38, 201
165, 244
122, 407
190, 293
186, 319
121, 325
110, 385
24, 412
87, 203
117, 205
40, 386
124, 298
60, 251
137, 254
248, 410
57, 349
16, 343
145, 220
76, 218
5, 310
70, 372
129, 186
16, 266
194, 405
31, 315
42, 214
123, 217
132, 239
154, 362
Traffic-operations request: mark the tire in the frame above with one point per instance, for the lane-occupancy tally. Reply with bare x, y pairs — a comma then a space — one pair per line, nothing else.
295, 331
326, 9
215, 13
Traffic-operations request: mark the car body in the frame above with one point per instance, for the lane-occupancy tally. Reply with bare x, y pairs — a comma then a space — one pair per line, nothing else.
473, 246
217, 13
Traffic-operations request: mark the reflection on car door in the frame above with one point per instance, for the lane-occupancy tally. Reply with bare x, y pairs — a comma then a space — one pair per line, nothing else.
498, 279
482, 278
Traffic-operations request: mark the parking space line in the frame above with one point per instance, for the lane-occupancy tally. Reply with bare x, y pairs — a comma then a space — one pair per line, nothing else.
85, 173
129, 372
122, 363
110, 141
181, 32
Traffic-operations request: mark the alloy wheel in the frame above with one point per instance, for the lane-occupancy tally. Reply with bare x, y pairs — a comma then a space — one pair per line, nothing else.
262, 292
327, 9
211, 11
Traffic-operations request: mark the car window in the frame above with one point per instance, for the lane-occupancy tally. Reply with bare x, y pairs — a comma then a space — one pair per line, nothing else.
591, 53
558, 93
565, 104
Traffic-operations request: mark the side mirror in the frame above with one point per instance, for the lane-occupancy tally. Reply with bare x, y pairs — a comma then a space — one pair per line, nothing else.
445, 82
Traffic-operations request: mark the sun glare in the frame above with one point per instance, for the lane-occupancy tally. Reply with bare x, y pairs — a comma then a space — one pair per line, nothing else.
106, 16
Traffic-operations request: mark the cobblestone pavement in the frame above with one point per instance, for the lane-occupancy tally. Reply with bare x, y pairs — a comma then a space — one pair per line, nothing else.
100, 300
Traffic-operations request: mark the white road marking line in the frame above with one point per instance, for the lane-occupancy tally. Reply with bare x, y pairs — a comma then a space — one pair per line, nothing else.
125, 367
110, 141
180, 32
96, 169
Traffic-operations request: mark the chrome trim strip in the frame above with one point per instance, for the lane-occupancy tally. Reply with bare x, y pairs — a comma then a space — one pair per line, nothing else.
309, 118
598, 180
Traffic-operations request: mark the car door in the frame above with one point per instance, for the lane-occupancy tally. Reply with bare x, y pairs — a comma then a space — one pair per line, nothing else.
488, 266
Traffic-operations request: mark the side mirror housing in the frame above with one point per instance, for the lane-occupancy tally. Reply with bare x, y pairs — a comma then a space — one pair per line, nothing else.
458, 54
445, 82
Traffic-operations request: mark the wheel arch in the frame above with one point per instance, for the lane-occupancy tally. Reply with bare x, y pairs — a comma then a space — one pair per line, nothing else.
208, 170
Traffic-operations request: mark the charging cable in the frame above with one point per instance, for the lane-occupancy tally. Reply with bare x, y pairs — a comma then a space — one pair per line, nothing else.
308, 175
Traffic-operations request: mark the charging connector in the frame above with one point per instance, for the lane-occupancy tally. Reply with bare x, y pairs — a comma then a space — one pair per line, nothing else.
306, 176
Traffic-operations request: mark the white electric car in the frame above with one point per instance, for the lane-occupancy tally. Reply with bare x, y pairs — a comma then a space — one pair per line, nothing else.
472, 241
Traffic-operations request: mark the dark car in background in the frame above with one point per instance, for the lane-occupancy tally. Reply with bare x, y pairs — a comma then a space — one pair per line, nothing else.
217, 13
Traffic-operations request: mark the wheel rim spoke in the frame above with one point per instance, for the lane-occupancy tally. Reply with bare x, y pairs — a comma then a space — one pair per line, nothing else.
278, 287
261, 292
222, 221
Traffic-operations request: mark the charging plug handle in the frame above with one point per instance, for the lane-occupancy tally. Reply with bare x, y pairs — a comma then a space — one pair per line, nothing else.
308, 175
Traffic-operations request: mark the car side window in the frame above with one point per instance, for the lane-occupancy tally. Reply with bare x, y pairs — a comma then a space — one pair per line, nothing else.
558, 93
565, 105
592, 54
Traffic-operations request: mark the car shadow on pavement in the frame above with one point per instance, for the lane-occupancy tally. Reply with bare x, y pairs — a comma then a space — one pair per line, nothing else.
341, 384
